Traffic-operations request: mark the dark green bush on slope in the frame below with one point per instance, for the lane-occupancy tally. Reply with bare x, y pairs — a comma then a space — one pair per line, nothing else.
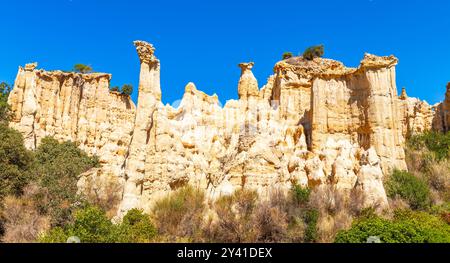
15, 162
406, 227
438, 143
410, 188
58, 167
91, 225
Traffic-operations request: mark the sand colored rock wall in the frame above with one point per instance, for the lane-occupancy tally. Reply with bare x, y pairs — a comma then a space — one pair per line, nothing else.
313, 123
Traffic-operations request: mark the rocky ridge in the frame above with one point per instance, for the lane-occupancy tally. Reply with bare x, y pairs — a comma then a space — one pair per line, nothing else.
314, 123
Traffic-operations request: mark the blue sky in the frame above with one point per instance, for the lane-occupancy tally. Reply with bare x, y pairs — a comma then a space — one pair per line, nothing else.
203, 41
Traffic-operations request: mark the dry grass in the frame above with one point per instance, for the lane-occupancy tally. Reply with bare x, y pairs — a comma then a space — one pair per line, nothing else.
22, 221
336, 210
180, 214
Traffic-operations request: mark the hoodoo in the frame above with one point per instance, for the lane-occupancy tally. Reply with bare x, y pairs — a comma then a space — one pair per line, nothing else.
314, 123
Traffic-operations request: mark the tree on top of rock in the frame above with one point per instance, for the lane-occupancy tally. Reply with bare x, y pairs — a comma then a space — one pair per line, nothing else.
314, 52
82, 68
127, 89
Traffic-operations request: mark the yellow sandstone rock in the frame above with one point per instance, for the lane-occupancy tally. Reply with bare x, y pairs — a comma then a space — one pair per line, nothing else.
313, 123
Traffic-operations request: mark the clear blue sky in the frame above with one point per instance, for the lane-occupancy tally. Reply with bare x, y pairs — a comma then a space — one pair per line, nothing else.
203, 41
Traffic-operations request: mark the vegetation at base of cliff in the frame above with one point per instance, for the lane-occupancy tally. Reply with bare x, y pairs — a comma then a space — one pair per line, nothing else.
428, 159
82, 68
91, 225
412, 189
314, 52
405, 227
424, 189
38, 189
437, 143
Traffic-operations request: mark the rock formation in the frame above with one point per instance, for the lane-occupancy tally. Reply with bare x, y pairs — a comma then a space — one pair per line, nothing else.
313, 123
75, 107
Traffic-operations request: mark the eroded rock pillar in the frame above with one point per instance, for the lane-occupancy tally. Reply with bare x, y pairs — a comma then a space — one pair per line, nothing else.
148, 99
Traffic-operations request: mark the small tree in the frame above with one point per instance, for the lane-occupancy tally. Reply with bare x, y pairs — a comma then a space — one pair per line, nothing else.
5, 88
127, 89
287, 55
115, 88
314, 52
82, 68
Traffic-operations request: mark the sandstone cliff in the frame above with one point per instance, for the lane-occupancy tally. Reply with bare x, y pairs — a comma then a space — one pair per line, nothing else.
75, 107
314, 123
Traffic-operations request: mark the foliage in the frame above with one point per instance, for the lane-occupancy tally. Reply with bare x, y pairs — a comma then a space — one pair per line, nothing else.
314, 52
410, 188
287, 55
127, 89
15, 162
91, 225
311, 217
5, 89
300, 194
136, 227
180, 213
82, 68
438, 143
406, 227
58, 177
115, 88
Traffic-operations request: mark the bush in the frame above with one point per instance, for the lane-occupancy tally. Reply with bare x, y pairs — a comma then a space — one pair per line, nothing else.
287, 55
438, 143
406, 227
180, 214
301, 195
127, 89
58, 178
410, 188
16, 162
91, 225
115, 88
82, 68
5, 89
314, 52
136, 227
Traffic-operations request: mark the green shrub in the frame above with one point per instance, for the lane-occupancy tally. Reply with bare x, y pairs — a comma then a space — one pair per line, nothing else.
82, 68
314, 52
410, 188
136, 227
406, 227
438, 143
91, 225
58, 168
5, 89
16, 162
300, 194
287, 55
311, 217
127, 89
